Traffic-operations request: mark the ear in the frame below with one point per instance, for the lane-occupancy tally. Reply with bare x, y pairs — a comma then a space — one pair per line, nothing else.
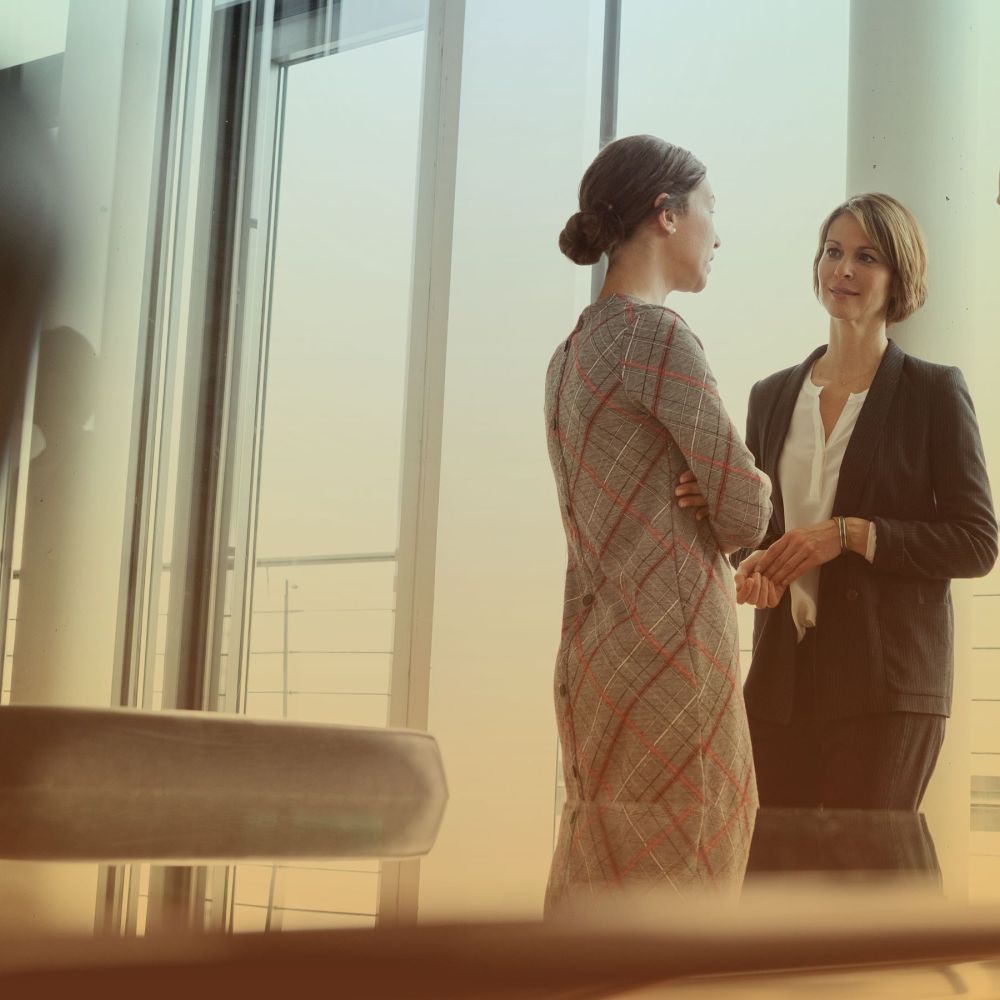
666, 218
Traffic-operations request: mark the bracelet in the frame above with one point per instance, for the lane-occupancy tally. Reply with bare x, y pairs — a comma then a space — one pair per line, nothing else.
842, 529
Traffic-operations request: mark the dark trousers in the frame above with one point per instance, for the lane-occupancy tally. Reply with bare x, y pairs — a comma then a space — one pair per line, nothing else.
879, 761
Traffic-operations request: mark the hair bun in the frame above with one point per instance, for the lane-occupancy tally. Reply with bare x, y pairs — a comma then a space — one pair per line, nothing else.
580, 239
619, 190
588, 234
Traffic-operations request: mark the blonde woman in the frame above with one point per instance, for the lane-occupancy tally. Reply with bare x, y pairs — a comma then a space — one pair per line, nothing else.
881, 498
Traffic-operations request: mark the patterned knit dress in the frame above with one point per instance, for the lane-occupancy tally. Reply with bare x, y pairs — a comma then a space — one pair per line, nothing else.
635, 847
647, 683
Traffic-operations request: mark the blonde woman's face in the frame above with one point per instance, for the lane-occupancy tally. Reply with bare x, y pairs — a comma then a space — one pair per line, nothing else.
854, 278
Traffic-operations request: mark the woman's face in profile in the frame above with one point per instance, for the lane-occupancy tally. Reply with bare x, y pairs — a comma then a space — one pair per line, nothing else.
854, 277
695, 241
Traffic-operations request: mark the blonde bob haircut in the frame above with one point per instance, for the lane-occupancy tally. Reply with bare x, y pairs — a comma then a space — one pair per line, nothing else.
895, 234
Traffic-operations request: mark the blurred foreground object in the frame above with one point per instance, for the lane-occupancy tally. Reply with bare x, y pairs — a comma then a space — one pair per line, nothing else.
114, 784
810, 942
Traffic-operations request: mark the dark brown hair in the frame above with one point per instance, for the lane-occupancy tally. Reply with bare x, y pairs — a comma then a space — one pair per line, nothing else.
619, 190
896, 235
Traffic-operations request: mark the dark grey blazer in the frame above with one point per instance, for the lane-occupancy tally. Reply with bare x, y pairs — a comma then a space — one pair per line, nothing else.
914, 466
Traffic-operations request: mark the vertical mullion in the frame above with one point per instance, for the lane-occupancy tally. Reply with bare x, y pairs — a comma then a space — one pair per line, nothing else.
8, 513
609, 108
196, 564
193, 89
424, 405
232, 476
252, 326
139, 575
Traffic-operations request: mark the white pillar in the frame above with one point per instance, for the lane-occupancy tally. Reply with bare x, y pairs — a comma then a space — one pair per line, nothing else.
912, 133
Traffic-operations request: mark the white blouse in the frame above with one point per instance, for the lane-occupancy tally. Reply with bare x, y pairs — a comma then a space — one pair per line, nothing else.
808, 472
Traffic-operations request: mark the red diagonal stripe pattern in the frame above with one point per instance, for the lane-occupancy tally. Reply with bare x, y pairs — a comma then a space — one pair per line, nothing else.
648, 702
642, 847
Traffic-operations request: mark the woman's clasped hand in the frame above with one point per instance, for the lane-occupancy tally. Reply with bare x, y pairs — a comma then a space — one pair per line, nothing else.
762, 578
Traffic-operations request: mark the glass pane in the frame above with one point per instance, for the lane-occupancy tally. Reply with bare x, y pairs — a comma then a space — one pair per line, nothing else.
327, 532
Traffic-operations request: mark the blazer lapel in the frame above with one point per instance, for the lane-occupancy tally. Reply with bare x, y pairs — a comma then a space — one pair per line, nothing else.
777, 429
864, 438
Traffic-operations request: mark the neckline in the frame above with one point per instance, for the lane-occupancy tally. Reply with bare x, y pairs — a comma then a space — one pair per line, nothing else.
625, 296
633, 300
816, 390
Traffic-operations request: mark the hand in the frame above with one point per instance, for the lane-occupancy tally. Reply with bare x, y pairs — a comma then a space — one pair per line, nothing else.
753, 588
800, 550
689, 495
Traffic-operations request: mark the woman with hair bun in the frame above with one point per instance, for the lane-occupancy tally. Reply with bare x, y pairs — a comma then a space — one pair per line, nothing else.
655, 487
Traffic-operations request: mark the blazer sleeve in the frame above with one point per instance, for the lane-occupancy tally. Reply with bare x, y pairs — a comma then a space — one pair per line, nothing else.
665, 371
961, 541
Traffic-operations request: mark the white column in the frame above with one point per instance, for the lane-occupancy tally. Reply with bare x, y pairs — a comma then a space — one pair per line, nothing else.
912, 133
